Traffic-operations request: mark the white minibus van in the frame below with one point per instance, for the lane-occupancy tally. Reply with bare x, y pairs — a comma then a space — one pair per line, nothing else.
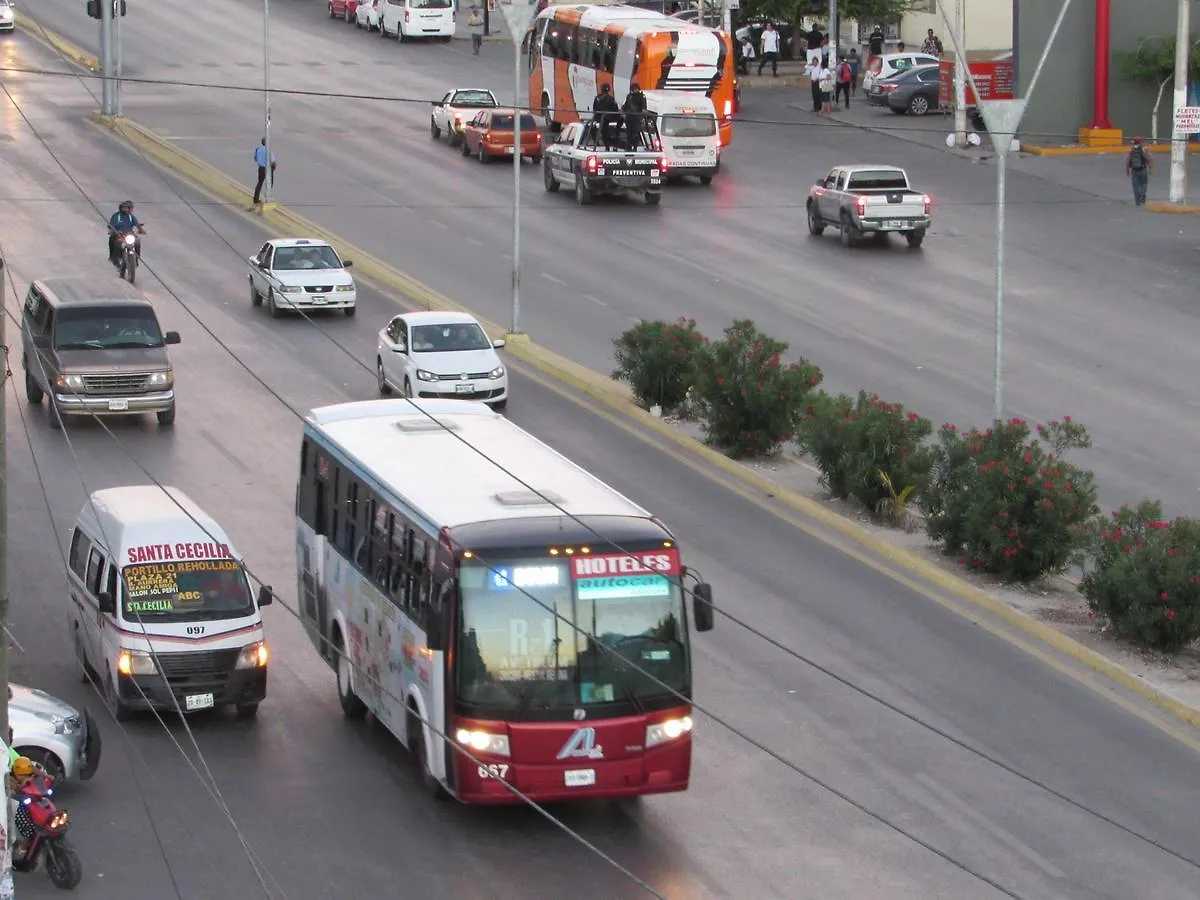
408, 19
162, 614
687, 126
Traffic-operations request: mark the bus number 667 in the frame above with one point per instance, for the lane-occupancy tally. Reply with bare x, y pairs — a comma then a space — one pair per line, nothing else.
493, 771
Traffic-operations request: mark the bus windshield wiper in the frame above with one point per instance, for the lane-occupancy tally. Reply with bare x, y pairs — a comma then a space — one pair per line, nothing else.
631, 695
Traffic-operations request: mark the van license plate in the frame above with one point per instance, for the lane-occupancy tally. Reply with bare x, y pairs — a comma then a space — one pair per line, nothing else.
580, 777
118, 405
464, 388
198, 701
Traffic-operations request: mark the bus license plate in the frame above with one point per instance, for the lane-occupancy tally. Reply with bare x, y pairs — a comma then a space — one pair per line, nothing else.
464, 388
580, 777
118, 405
198, 701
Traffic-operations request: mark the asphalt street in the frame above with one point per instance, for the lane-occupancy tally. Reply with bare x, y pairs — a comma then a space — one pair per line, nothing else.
332, 809
1100, 300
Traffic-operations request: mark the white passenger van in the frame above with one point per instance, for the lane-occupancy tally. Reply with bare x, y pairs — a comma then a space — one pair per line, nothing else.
408, 19
162, 614
687, 125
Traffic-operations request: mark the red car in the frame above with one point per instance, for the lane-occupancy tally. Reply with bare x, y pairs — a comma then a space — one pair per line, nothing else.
490, 134
343, 9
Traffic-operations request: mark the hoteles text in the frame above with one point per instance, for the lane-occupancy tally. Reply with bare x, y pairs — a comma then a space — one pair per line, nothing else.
163, 552
654, 562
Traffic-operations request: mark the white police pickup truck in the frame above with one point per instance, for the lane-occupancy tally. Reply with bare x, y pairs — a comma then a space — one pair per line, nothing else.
864, 201
579, 159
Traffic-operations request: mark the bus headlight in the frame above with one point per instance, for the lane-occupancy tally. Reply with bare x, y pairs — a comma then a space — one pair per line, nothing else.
483, 741
661, 732
135, 662
253, 656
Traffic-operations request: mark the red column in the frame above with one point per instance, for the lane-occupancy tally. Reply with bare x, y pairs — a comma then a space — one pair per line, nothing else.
1101, 64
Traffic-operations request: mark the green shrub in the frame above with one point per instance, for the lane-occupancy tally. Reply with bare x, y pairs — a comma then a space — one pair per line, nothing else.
658, 361
1011, 506
750, 400
868, 449
1144, 579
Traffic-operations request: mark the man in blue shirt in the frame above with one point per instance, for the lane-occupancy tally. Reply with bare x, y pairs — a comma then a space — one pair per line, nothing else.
260, 160
122, 222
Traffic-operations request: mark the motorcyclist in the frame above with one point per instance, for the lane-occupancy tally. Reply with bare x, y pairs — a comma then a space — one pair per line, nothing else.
606, 112
634, 109
22, 771
122, 222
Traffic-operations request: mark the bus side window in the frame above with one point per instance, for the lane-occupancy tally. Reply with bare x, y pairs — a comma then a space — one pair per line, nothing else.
398, 568
350, 516
566, 42
80, 547
582, 51
381, 531
550, 42
335, 518
94, 567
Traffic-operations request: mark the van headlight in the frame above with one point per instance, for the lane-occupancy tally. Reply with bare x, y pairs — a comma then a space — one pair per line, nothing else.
422, 375
497, 372
135, 662
253, 656
73, 382
161, 379
483, 741
661, 732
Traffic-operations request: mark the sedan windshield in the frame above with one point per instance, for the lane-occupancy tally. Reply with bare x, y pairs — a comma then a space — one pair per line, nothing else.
201, 589
449, 337
289, 259
505, 123
106, 328
472, 98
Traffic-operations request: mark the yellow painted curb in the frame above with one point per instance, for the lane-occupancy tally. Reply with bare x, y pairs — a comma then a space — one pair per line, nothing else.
57, 42
617, 396
1179, 209
1079, 150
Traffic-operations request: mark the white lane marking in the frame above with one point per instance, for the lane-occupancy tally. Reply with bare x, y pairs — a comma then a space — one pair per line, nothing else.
595, 300
477, 243
550, 277
441, 225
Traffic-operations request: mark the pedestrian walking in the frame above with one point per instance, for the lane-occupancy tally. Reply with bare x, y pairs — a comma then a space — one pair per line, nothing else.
1138, 166
475, 27
770, 50
845, 75
260, 160
855, 62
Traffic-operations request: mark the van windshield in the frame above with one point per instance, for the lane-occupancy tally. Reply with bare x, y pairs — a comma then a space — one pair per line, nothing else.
689, 125
431, 4
106, 328
195, 589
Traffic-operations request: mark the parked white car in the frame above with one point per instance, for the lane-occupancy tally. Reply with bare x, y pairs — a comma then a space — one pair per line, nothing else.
53, 733
441, 355
366, 14
299, 274
893, 64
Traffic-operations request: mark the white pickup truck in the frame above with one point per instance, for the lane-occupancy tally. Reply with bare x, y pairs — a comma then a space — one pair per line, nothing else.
868, 200
456, 109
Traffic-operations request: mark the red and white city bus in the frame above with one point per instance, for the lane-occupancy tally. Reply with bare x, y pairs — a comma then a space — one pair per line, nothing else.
510, 620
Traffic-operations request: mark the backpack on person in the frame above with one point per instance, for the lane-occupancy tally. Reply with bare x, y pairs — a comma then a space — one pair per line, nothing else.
1137, 159
845, 73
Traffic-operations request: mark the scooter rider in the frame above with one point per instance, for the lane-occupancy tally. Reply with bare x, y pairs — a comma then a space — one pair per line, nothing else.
122, 222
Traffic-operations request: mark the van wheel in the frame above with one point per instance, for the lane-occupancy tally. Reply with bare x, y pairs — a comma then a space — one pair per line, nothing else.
382, 30
81, 659
548, 179
119, 710
706, 180
166, 417
416, 746
352, 707
400, 35
33, 393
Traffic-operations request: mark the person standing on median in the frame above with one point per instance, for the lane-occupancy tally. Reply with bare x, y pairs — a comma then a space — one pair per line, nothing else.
1138, 166
475, 26
260, 160
770, 50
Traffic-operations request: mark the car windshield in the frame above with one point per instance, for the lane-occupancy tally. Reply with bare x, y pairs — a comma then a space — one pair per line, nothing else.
195, 589
472, 98
291, 259
505, 123
106, 328
689, 125
519, 651
449, 337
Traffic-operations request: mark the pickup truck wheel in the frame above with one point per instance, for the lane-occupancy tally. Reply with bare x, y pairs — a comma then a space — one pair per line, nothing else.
918, 105
653, 199
434, 131
815, 226
915, 238
848, 231
582, 195
548, 178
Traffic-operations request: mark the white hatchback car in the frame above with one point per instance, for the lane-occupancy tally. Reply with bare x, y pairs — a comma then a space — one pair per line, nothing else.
366, 15
298, 274
893, 64
445, 355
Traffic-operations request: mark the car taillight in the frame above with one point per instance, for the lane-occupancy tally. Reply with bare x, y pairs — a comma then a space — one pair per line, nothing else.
928, 203
593, 164
888, 88
862, 206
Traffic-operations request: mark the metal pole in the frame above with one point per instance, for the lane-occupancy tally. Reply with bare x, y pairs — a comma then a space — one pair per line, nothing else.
270, 182
107, 104
1179, 139
515, 327
118, 106
1001, 170
6, 885
833, 35
960, 76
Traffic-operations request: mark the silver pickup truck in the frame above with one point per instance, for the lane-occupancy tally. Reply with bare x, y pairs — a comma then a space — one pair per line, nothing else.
868, 200
579, 159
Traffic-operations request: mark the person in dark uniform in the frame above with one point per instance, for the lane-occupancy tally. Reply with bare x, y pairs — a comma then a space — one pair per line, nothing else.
605, 111
634, 109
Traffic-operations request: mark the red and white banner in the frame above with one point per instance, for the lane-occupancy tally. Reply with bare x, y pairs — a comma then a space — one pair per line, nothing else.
647, 562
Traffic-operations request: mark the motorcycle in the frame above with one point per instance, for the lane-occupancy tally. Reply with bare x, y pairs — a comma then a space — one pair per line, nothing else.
130, 250
50, 825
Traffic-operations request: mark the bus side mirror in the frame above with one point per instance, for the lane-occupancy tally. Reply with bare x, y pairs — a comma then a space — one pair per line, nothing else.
106, 603
265, 595
702, 607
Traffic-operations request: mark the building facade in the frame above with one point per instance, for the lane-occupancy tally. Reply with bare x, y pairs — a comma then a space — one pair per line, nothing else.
987, 25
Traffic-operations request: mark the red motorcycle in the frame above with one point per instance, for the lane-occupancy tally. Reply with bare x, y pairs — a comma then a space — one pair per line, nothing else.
50, 825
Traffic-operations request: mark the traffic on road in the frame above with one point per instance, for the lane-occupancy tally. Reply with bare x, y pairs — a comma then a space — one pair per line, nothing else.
466, 582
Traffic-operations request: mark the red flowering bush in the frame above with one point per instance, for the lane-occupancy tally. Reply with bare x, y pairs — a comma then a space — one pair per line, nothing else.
866, 448
750, 399
658, 361
1144, 579
1009, 505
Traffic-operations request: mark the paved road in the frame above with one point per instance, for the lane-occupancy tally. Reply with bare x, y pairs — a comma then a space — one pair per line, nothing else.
1100, 297
332, 808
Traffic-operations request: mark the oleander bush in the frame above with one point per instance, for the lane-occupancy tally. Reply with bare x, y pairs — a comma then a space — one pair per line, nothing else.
868, 449
750, 399
1144, 576
658, 361
1009, 505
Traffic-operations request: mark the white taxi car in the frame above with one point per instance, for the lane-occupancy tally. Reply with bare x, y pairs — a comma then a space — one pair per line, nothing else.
7, 16
444, 355
299, 274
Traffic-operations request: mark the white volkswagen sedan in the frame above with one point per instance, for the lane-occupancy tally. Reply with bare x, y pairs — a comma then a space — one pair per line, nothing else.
446, 355
298, 274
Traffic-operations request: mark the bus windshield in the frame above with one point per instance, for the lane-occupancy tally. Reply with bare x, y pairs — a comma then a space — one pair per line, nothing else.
196, 589
517, 655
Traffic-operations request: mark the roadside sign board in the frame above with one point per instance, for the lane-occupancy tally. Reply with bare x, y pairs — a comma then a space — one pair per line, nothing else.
1187, 119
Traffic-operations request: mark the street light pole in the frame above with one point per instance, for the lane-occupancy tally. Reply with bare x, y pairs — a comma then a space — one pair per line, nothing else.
833, 36
1179, 139
515, 324
960, 75
107, 87
118, 107
270, 181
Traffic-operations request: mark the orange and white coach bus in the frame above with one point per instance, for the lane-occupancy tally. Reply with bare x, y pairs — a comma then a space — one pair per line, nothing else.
573, 50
